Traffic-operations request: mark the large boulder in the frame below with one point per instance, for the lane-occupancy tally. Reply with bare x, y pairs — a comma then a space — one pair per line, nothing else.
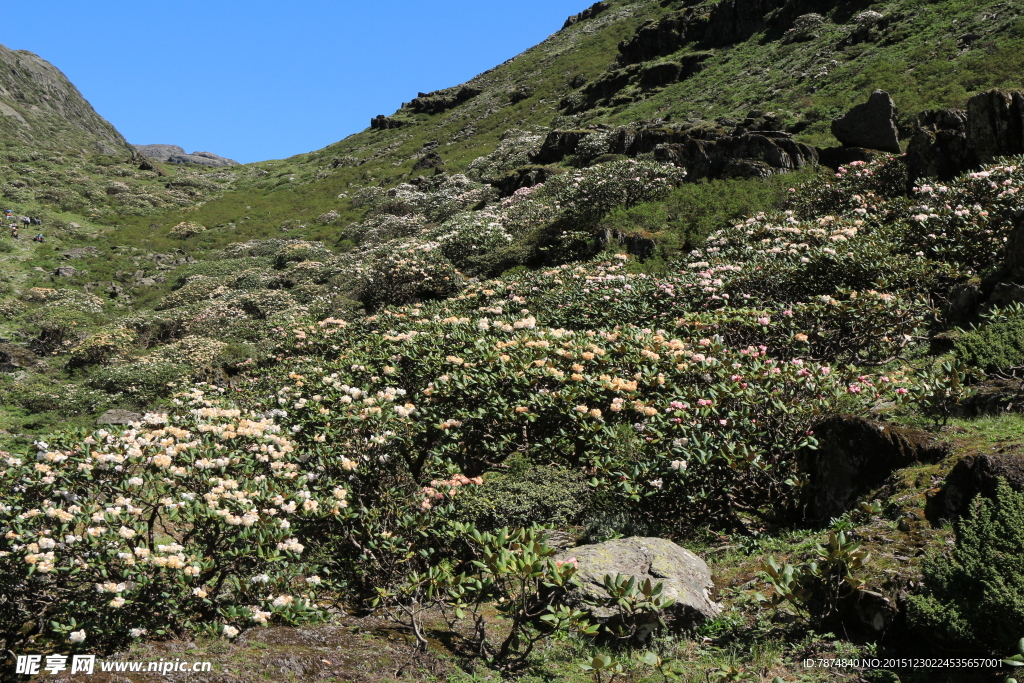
995, 124
971, 476
855, 455
685, 578
871, 124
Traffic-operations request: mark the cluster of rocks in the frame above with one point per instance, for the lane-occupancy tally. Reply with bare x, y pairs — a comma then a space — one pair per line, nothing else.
700, 27
441, 100
608, 89
381, 122
751, 149
173, 154
949, 142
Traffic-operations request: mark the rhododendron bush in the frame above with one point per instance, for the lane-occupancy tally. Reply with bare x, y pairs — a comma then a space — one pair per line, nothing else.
182, 521
646, 413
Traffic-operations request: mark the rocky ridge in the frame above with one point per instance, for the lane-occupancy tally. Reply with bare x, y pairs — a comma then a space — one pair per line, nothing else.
40, 107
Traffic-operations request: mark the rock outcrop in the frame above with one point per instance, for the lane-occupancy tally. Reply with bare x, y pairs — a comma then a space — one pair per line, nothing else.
974, 475
854, 455
605, 90
995, 124
949, 142
588, 13
428, 160
938, 147
871, 125
174, 154
747, 151
685, 578
441, 100
381, 122
202, 159
159, 152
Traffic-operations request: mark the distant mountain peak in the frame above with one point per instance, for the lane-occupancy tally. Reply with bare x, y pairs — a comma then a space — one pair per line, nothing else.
176, 155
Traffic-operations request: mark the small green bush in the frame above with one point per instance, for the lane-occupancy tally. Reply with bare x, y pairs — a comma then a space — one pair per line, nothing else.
523, 495
995, 346
974, 595
139, 383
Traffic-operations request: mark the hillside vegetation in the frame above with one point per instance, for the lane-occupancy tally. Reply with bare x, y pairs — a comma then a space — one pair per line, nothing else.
356, 402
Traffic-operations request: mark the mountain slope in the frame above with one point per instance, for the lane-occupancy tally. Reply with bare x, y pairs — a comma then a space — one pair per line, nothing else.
688, 65
40, 107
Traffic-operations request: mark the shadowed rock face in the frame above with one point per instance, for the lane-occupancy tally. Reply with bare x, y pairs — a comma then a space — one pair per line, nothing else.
938, 147
975, 475
995, 124
39, 106
949, 142
855, 455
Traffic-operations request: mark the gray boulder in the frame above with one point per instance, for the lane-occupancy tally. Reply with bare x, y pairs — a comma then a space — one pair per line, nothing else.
65, 271
685, 578
118, 417
871, 125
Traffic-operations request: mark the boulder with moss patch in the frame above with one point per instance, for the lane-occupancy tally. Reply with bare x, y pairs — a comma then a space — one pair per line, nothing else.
685, 578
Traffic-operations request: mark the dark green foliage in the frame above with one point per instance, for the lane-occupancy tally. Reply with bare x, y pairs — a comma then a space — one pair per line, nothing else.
523, 495
139, 384
690, 212
974, 595
993, 347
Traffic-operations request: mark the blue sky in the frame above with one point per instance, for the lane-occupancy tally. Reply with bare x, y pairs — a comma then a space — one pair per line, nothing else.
259, 80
